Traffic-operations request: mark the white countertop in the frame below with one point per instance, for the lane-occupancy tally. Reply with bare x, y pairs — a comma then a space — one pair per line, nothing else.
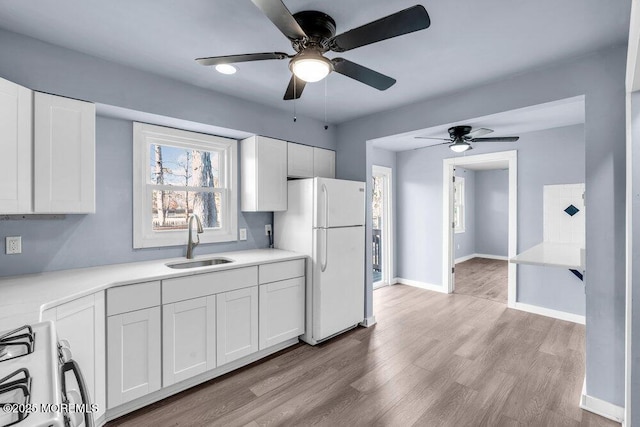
552, 254
22, 298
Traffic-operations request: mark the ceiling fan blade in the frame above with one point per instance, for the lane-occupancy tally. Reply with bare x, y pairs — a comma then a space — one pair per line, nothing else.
229, 59
434, 145
295, 88
497, 139
404, 22
478, 132
362, 74
428, 137
278, 13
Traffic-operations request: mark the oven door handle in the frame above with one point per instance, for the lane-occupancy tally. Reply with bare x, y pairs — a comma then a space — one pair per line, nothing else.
73, 366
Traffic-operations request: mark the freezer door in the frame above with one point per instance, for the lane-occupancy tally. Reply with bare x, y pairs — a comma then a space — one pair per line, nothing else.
338, 280
338, 203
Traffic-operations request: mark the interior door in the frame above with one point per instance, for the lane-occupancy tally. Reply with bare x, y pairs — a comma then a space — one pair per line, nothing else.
338, 280
338, 203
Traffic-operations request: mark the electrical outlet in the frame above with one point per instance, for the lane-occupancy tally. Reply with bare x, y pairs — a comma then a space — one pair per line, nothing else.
267, 229
13, 245
243, 234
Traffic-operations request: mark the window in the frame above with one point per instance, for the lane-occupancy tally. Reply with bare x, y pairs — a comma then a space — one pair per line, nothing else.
458, 205
177, 174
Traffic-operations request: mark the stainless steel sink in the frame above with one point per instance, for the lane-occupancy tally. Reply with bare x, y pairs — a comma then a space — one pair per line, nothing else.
199, 263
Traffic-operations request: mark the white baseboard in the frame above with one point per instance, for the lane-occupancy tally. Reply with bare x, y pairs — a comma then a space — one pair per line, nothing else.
422, 285
471, 256
395, 280
498, 257
368, 322
464, 258
556, 314
601, 407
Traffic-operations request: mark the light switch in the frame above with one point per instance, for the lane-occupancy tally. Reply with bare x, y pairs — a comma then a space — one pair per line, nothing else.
243, 234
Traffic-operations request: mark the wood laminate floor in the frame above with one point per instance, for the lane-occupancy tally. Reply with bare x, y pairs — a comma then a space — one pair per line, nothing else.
482, 278
431, 360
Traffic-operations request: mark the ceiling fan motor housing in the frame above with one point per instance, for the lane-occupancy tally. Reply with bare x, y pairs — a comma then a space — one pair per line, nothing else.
318, 26
459, 131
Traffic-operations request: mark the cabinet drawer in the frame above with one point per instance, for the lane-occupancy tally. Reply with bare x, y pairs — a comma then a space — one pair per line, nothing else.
281, 271
200, 285
124, 299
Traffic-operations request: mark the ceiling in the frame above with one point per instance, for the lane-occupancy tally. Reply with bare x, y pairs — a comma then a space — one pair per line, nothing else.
469, 43
549, 115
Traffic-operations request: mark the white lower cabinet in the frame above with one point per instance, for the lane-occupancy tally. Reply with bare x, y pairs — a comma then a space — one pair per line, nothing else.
133, 342
82, 323
133, 355
281, 311
189, 338
237, 324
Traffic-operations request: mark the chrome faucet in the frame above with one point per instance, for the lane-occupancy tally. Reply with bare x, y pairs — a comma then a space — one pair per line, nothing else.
191, 244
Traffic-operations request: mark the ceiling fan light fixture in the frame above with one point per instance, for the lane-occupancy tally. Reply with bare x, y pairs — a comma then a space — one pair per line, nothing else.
226, 69
310, 66
460, 146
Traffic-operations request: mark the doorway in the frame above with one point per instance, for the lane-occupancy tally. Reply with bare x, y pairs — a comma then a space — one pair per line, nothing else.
499, 160
481, 219
382, 226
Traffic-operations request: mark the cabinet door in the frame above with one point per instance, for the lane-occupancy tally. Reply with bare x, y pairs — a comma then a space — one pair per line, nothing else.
264, 174
15, 146
133, 355
272, 175
189, 338
237, 324
281, 311
64, 155
324, 163
300, 161
82, 323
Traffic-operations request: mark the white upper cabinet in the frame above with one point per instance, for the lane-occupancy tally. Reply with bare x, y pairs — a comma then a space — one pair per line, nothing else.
15, 146
264, 174
324, 163
64, 155
300, 161
307, 162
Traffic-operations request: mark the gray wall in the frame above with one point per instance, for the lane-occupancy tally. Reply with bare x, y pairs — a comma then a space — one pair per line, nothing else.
600, 78
106, 237
420, 204
465, 243
492, 211
380, 157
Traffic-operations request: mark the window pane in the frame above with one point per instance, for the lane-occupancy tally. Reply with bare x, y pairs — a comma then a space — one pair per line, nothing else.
171, 209
184, 167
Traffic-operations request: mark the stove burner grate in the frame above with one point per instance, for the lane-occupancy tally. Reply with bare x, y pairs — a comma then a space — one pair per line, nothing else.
16, 343
15, 391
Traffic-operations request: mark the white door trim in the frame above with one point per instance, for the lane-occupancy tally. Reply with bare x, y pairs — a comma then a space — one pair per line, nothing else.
387, 227
511, 157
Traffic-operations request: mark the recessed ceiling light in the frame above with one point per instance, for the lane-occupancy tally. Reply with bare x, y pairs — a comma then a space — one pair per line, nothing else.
226, 69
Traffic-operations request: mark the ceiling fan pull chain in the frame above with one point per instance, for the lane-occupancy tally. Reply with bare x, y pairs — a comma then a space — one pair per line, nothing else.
295, 118
326, 125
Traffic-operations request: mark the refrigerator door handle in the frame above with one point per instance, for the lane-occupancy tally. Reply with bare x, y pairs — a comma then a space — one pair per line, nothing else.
326, 205
323, 264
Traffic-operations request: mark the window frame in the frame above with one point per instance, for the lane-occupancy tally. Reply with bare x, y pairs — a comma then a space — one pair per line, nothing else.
144, 135
459, 203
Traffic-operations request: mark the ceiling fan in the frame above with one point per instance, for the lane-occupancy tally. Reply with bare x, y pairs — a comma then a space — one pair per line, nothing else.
312, 34
461, 137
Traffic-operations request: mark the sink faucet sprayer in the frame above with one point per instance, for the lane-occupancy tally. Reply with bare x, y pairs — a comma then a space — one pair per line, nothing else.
191, 244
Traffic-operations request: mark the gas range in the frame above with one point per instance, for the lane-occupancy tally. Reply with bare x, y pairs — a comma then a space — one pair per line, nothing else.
40, 384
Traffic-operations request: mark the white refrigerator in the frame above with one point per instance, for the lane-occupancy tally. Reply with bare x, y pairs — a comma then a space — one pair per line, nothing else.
325, 220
